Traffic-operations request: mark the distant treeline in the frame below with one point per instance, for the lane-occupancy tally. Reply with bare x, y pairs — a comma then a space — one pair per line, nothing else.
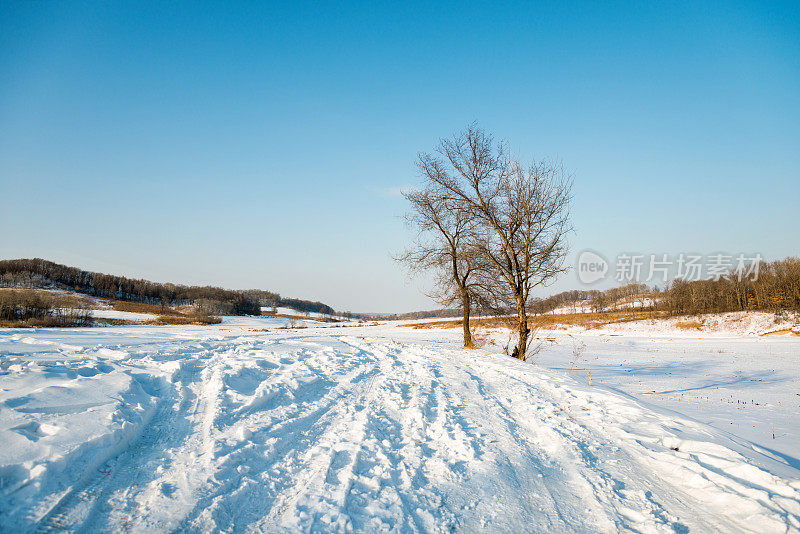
297, 304
39, 273
428, 314
776, 289
26, 307
536, 306
564, 299
442, 313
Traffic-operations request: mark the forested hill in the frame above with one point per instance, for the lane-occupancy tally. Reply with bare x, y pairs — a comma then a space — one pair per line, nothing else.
47, 274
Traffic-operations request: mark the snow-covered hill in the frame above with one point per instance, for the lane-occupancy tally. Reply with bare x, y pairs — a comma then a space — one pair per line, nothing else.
231, 428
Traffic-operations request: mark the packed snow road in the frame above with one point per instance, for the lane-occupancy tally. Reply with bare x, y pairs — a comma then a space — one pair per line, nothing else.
229, 428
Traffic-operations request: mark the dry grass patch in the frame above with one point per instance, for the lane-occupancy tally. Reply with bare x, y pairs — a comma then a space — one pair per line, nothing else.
547, 321
103, 321
689, 325
55, 299
593, 319
185, 320
782, 332
141, 307
485, 322
45, 322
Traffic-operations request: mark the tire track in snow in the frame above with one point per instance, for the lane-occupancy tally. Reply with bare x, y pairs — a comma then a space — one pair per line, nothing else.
361, 443
90, 497
402, 462
569, 453
261, 484
107, 499
529, 474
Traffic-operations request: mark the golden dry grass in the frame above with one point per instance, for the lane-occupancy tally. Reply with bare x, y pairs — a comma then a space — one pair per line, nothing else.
488, 322
689, 325
141, 307
184, 320
547, 321
783, 332
37, 322
57, 299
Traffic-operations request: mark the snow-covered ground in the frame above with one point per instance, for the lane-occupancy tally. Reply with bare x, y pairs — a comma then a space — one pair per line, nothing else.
745, 386
128, 316
720, 325
337, 428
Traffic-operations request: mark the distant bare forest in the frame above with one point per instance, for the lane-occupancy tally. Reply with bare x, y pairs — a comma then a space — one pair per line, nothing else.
28, 307
39, 273
777, 289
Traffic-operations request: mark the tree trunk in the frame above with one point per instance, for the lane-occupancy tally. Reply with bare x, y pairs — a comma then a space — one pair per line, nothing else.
465, 305
523, 340
523, 331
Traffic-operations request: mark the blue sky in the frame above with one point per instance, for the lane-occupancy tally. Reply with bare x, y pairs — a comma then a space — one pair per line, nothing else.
263, 144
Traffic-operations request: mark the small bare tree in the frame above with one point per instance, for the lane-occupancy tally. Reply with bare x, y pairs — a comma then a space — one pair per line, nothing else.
442, 247
520, 216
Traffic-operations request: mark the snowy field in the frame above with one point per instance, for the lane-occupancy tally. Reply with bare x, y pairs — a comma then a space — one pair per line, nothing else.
229, 428
729, 375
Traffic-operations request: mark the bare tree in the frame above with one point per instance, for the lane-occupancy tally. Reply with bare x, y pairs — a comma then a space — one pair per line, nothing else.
442, 247
521, 213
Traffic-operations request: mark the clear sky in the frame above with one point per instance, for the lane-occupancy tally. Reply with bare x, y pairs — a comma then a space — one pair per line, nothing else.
264, 144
